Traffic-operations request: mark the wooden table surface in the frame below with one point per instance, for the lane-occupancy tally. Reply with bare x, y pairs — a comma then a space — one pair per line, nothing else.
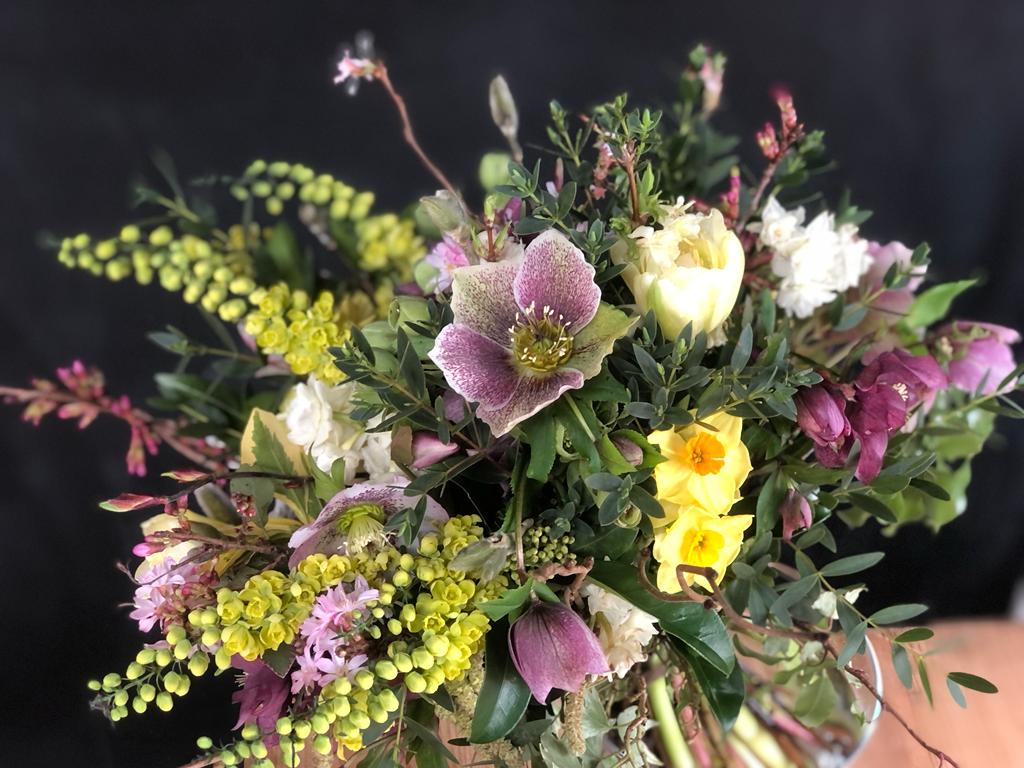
988, 734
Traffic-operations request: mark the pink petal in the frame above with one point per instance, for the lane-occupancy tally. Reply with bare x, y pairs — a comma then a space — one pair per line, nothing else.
531, 395
552, 647
556, 274
427, 449
476, 367
482, 299
796, 514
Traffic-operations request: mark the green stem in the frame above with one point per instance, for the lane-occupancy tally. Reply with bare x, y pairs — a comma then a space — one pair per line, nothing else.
668, 724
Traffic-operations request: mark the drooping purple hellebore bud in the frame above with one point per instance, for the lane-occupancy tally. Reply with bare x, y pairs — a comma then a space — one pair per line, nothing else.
796, 514
821, 414
427, 449
552, 647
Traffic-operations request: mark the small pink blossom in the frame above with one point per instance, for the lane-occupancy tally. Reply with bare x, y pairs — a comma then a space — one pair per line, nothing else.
445, 257
796, 514
979, 355
428, 449
350, 67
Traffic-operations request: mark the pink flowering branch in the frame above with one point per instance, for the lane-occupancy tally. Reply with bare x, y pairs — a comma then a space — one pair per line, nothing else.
349, 68
81, 394
775, 146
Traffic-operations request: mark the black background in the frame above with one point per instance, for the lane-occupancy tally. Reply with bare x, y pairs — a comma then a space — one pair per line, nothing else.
922, 106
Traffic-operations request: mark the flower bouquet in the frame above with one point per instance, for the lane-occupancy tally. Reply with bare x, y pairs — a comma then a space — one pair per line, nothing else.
560, 465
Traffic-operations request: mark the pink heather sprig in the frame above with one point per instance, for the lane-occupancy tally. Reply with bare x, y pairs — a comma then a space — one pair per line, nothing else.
81, 395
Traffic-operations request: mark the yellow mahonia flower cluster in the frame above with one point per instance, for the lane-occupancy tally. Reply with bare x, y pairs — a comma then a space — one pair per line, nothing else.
424, 623
286, 323
217, 272
387, 241
382, 242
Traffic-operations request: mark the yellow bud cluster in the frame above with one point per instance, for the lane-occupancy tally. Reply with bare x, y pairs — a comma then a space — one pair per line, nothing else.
216, 273
154, 678
288, 323
388, 242
265, 613
382, 242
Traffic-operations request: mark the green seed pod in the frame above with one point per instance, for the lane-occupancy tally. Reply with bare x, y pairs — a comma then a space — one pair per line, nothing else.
164, 702
139, 705
111, 681
204, 742
147, 692
301, 729
135, 671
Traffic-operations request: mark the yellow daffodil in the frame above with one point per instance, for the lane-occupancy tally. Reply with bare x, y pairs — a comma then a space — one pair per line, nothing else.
700, 538
704, 467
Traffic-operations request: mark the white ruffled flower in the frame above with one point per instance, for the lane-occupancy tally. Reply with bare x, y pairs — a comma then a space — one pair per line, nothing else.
318, 418
622, 629
816, 262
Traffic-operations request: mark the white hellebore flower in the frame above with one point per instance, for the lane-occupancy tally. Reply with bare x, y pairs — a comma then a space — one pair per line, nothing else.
317, 417
816, 262
623, 630
688, 270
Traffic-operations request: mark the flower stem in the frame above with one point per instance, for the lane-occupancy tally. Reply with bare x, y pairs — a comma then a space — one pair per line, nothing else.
668, 724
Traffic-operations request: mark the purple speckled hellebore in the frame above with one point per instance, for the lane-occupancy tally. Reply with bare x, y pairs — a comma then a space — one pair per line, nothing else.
552, 647
355, 517
525, 331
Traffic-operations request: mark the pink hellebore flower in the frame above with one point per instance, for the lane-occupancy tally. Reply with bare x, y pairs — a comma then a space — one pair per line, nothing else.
796, 514
552, 647
979, 355
445, 257
355, 517
526, 330
896, 301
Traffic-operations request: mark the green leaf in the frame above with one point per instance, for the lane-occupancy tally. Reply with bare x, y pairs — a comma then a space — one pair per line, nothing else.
816, 702
974, 682
508, 602
701, 630
741, 353
793, 594
540, 435
853, 564
270, 456
926, 683
504, 695
854, 643
290, 262
897, 613
915, 635
901, 663
933, 304
724, 694
768, 502
280, 660
956, 692
872, 506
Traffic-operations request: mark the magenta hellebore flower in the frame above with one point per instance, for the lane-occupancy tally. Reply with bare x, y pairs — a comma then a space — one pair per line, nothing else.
525, 331
428, 449
356, 516
552, 647
897, 300
979, 355
876, 406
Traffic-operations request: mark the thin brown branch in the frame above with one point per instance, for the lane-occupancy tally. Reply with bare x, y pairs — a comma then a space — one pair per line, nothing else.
865, 680
381, 74
578, 571
628, 158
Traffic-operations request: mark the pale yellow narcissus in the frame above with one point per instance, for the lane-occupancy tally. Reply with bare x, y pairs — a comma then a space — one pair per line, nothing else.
699, 538
703, 467
688, 270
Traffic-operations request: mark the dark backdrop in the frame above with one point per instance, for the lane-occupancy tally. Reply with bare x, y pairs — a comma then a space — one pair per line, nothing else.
921, 102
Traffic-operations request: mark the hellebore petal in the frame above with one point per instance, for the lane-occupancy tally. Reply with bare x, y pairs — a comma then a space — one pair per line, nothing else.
531, 395
427, 449
475, 366
552, 647
329, 535
796, 514
556, 274
482, 298
594, 342
262, 696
